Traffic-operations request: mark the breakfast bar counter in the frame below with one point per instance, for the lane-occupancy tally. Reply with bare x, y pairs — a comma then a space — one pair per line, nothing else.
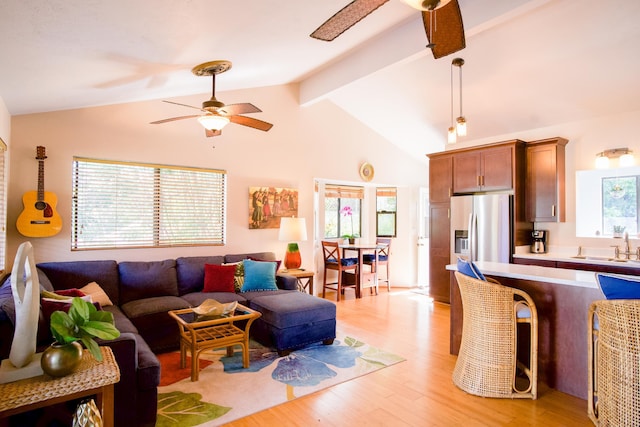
562, 298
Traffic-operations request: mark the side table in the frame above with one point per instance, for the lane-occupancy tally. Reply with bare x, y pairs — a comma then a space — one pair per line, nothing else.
91, 378
302, 276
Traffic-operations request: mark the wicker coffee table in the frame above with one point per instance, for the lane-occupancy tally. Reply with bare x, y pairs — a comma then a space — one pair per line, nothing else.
198, 335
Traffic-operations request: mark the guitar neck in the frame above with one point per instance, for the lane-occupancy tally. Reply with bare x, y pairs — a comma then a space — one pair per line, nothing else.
40, 180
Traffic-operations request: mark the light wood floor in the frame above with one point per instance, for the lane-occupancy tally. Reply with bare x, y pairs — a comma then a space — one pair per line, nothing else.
419, 391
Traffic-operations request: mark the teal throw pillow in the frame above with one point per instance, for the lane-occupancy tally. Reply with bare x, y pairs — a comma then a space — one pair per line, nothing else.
259, 276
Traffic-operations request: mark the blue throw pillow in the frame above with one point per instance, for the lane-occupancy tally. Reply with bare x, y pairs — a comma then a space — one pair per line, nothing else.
259, 276
468, 268
618, 287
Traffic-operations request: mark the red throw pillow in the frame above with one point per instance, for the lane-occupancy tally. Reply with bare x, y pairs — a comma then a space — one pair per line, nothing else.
219, 278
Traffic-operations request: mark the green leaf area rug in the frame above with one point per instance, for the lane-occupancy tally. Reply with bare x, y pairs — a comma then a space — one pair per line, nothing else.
226, 391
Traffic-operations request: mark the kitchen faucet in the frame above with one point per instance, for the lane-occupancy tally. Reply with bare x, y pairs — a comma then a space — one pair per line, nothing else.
627, 249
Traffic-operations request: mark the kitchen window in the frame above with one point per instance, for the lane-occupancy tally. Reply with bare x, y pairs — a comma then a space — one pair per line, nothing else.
620, 205
137, 205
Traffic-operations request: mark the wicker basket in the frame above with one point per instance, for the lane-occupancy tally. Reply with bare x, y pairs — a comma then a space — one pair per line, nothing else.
614, 363
487, 362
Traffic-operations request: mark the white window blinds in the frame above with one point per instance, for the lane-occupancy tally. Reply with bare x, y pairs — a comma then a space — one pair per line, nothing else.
127, 205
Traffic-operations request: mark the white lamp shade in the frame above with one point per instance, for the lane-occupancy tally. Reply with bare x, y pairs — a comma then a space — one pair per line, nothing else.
213, 121
602, 162
461, 126
293, 230
451, 135
626, 160
426, 5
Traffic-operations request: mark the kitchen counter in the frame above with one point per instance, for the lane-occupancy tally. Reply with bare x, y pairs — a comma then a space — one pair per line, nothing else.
583, 259
560, 276
562, 298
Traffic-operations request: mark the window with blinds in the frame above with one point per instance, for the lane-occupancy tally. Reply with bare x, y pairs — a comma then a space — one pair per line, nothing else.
386, 210
3, 206
342, 205
137, 205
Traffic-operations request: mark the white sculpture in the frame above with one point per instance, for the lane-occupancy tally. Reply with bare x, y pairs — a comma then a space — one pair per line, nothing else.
25, 287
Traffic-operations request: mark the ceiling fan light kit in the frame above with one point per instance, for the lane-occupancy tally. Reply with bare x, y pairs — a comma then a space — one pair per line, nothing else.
426, 5
213, 122
217, 114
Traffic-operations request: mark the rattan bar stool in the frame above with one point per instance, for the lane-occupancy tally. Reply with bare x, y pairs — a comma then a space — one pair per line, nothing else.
614, 362
487, 362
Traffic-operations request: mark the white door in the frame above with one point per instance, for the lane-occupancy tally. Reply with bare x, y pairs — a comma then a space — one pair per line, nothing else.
423, 238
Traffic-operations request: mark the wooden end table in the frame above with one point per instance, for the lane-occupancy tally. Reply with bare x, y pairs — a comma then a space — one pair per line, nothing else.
301, 276
91, 378
199, 335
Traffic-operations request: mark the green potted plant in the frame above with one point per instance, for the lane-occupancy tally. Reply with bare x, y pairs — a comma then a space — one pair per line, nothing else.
82, 323
348, 212
618, 230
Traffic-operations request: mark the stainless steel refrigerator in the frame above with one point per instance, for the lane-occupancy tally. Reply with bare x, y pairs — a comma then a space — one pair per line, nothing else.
482, 227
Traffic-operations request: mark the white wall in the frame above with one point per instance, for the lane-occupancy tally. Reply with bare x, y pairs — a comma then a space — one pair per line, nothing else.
318, 141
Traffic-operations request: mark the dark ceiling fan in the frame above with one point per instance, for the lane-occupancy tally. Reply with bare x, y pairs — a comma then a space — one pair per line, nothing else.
217, 114
442, 23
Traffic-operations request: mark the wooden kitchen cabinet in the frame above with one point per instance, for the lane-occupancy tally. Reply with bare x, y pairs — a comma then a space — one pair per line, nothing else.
440, 177
439, 251
487, 169
545, 190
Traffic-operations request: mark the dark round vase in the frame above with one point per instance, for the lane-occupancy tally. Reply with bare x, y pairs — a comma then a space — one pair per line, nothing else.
59, 360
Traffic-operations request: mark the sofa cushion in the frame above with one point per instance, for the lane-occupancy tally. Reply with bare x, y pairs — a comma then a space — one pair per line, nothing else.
190, 272
292, 309
262, 256
97, 294
219, 278
76, 274
196, 298
147, 279
121, 322
147, 306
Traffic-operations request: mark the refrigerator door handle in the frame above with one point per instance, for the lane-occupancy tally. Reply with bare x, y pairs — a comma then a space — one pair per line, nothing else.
473, 237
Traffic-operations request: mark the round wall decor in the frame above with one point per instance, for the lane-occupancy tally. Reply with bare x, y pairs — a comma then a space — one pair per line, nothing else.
366, 171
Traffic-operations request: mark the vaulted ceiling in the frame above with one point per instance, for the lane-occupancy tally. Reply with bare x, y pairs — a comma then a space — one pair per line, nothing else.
528, 63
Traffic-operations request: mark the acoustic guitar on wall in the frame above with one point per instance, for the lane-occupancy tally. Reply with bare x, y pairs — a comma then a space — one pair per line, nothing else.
39, 217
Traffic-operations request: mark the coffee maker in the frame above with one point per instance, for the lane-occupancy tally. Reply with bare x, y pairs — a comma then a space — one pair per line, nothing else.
540, 243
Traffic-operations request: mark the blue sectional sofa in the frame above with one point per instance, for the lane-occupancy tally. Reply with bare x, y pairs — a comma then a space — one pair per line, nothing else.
142, 294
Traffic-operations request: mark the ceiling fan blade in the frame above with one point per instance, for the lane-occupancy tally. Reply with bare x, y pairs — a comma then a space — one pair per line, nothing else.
185, 105
445, 30
251, 122
210, 133
347, 17
244, 108
157, 122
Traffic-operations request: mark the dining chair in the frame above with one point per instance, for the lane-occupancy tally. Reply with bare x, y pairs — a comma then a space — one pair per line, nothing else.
613, 367
334, 261
383, 260
488, 362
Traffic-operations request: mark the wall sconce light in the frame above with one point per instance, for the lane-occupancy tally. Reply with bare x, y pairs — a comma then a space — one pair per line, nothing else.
460, 127
624, 156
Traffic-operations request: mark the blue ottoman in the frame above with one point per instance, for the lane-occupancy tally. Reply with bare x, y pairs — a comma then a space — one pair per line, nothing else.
292, 320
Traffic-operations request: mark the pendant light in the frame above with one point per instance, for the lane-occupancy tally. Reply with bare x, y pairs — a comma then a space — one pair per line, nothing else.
460, 126
461, 122
451, 134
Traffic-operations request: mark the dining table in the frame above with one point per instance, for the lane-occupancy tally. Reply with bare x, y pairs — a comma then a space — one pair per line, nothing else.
366, 279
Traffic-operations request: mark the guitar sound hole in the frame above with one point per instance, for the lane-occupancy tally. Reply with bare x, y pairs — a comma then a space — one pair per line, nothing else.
40, 206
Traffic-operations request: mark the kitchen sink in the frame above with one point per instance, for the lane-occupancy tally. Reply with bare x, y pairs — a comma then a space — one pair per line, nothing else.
599, 258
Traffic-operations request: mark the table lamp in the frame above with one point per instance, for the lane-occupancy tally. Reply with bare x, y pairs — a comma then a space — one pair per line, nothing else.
292, 229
